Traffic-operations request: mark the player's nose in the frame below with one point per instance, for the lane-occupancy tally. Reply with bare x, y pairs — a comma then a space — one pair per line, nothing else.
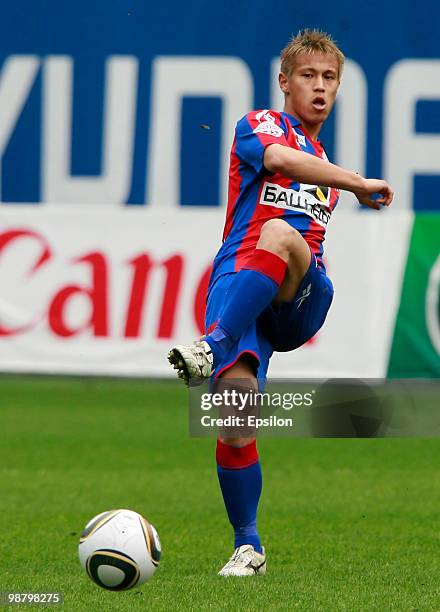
319, 84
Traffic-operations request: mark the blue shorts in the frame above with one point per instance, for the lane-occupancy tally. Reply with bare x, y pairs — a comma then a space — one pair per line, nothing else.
280, 327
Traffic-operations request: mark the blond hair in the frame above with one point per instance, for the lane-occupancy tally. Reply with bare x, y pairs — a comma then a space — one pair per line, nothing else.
309, 41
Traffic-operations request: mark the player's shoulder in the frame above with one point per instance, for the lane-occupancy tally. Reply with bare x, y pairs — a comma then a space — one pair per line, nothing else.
264, 121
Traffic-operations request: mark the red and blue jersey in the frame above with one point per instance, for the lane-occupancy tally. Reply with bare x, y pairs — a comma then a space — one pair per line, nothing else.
255, 195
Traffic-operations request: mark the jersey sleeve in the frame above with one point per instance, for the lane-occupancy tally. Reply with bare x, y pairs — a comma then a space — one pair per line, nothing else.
254, 132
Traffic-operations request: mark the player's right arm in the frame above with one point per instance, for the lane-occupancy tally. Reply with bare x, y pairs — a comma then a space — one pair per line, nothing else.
305, 168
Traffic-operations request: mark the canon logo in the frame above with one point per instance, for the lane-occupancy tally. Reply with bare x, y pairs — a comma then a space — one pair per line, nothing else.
97, 311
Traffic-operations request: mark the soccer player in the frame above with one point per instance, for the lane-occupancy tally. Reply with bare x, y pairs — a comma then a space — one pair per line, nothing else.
269, 290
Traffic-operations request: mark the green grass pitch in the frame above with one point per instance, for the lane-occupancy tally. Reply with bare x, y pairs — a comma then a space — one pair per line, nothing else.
348, 524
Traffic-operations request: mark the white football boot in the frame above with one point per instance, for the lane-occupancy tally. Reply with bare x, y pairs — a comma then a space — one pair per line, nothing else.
245, 562
192, 362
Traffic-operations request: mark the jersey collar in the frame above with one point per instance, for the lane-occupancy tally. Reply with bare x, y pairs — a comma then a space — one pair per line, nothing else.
293, 120
295, 123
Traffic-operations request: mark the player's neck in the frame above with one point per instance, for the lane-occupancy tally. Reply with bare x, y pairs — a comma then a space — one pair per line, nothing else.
312, 129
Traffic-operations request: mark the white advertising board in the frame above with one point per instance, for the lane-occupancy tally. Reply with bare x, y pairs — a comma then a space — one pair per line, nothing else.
109, 291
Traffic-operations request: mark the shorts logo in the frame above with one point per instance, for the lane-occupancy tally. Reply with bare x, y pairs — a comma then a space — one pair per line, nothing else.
298, 201
304, 295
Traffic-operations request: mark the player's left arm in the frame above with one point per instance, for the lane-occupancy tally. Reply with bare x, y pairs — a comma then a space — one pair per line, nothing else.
306, 168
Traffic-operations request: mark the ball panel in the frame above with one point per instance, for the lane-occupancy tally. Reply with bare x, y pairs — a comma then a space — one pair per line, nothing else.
100, 561
151, 540
110, 576
96, 523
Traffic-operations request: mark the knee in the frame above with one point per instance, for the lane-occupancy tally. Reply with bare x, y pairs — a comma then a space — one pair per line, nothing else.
279, 237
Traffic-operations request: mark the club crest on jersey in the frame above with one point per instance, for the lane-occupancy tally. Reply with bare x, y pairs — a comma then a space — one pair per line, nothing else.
299, 201
300, 138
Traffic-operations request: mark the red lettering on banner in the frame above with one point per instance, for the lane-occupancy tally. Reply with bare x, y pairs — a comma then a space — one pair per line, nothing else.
174, 267
142, 266
97, 293
7, 238
199, 306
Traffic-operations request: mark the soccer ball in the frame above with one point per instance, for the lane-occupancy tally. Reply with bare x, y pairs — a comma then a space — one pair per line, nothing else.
119, 549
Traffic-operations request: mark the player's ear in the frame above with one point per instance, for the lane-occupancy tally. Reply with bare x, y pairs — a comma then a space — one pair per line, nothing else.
283, 82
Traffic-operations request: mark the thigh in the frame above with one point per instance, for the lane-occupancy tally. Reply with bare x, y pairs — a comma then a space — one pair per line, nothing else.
297, 267
279, 237
288, 325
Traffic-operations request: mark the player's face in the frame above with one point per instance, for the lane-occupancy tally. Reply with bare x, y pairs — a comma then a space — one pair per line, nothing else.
310, 90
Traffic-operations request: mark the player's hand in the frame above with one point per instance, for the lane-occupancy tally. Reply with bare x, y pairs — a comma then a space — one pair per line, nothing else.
372, 187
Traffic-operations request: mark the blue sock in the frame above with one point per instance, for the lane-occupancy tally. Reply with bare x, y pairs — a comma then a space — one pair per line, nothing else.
253, 289
241, 489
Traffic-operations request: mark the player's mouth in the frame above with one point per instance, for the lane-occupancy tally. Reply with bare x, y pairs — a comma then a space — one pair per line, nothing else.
318, 103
